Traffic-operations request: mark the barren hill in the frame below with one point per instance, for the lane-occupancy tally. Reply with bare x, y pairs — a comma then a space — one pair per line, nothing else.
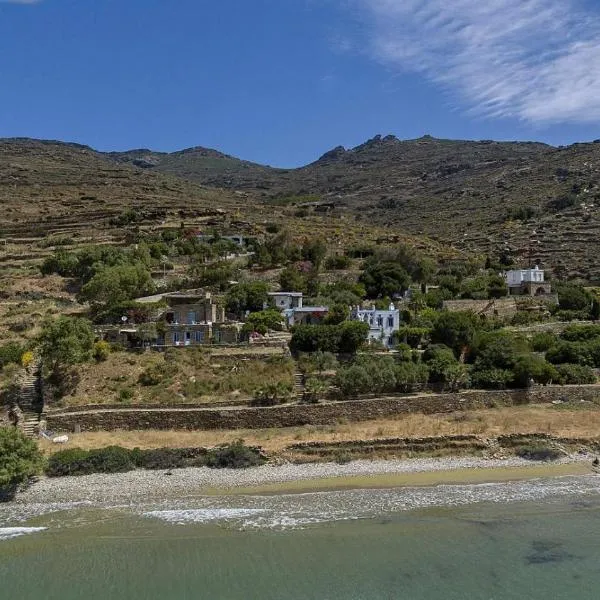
516, 198
519, 199
53, 187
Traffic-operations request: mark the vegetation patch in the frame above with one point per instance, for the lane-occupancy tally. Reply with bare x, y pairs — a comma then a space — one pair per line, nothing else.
115, 459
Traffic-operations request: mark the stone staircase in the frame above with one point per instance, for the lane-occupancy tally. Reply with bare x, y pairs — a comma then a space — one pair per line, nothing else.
299, 385
30, 401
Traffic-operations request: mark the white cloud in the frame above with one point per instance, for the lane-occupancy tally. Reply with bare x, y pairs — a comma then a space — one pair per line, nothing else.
538, 60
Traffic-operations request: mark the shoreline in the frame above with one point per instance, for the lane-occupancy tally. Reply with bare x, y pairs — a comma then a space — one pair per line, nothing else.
291, 478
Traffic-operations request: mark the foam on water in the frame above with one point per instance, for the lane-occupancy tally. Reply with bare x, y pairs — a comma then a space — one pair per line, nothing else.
294, 511
7, 533
203, 515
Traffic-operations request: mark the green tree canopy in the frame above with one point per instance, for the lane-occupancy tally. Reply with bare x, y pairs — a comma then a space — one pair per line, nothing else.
66, 341
20, 458
384, 279
456, 330
250, 296
112, 285
291, 280
264, 320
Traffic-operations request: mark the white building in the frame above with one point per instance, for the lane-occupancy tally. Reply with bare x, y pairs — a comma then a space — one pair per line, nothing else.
527, 282
286, 300
382, 323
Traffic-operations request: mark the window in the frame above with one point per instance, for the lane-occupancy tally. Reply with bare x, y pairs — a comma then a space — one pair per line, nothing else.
391, 322
176, 337
199, 337
191, 317
379, 321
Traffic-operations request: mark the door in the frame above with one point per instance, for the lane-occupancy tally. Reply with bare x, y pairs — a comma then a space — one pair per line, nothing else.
188, 338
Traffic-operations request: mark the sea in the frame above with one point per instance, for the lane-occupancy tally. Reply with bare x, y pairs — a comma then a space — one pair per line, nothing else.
526, 540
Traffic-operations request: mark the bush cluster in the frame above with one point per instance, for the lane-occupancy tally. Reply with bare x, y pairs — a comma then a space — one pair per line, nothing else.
380, 374
115, 459
345, 338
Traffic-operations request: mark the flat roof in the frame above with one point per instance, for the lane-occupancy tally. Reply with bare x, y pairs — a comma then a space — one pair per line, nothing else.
294, 294
312, 309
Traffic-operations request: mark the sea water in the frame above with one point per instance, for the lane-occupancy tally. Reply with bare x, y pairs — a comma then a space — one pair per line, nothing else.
524, 540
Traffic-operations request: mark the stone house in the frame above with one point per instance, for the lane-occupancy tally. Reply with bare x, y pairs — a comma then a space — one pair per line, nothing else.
382, 323
193, 319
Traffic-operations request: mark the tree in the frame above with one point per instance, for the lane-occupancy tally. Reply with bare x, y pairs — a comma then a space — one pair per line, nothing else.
353, 334
118, 284
497, 287
383, 279
456, 330
264, 320
315, 251
353, 380
20, 458
573, 297
532, 368
66, 341
347, 337
291, 280
250, 296
337, 314
595, 310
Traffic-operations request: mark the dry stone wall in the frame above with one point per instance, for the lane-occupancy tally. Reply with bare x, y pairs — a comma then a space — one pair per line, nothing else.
295, 415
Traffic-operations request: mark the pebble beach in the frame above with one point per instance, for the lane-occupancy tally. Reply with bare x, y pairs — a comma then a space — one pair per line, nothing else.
180, 483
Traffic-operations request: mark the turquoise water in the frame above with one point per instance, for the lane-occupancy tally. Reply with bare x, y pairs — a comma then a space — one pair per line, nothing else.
367, 544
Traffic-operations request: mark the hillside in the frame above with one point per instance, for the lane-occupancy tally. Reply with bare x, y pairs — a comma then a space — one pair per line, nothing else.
469, 194
517, 199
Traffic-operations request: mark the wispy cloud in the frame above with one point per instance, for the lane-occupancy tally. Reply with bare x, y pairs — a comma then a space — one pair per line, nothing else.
538, 60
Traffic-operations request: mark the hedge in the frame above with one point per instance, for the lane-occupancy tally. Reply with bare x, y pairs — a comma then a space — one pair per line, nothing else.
115, 459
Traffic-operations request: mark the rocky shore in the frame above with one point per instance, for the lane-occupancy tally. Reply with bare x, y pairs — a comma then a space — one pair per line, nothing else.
149, 485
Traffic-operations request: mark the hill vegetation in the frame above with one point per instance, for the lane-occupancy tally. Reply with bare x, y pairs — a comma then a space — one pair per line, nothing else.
519, 200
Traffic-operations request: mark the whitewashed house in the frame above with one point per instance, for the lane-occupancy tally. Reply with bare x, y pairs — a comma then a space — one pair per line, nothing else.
294, 311
527, 282
382, 323
286, 300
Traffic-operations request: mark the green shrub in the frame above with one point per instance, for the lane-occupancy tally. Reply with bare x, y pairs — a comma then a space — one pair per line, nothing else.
75, 461
353, 380
20, 457
408, 376
11, 353
530, 367
543, 341
538, 452
115, 459
125, 395
101, 351
72, 461
577, 353
154, 374
580, 333
272, 394
337, 262
169, 458
234, 456
491, 378
575, 374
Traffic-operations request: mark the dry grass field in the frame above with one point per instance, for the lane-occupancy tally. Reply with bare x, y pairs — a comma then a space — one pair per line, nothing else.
561, 422
177, 376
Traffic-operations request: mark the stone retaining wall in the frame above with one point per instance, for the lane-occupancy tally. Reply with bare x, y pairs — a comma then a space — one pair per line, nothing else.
317, 414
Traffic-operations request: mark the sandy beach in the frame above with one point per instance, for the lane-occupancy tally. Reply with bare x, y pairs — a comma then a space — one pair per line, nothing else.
293, 478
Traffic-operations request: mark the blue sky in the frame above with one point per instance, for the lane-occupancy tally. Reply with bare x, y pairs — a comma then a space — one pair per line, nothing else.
282, 81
